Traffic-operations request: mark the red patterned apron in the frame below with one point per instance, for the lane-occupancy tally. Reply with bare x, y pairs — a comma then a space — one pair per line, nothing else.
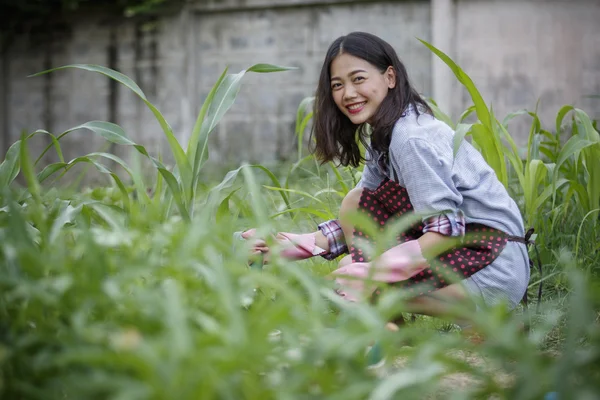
389, 202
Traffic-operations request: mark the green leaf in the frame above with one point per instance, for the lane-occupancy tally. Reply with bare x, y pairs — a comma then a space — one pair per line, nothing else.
10, 167
28, 171
466, 113
560, 117
482, 111
439, 114
194, 142
459, 135
296, 191
339, 178
178, 154
263, 68
574, 145
223, 211
54, 142
485, 141
225, 92
119, 77
66, 215
303, 116
176, 321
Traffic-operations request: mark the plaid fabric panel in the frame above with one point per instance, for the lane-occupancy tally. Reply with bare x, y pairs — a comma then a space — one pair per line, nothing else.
450, 224
332, 230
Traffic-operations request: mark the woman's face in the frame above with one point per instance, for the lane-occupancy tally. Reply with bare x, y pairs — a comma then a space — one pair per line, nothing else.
358, 87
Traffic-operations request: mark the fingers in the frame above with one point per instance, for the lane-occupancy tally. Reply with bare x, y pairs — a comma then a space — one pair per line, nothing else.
259, 243
249, 233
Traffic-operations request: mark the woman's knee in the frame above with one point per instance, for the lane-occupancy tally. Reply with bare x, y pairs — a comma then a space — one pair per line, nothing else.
351, 201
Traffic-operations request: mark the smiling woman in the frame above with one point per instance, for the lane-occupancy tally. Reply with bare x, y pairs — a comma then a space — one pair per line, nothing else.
467, 242
379, 80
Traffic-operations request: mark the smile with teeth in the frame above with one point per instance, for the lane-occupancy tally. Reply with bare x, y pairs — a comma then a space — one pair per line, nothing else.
356, 107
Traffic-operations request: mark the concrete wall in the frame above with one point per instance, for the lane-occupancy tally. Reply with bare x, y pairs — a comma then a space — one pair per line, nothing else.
516, 52
519, 52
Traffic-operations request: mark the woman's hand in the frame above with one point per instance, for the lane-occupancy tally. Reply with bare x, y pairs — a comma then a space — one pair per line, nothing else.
258, 246
293, 246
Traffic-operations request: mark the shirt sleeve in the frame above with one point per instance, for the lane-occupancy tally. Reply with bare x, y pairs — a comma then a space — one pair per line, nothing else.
371, 176
426, 172
332, 230
449, 224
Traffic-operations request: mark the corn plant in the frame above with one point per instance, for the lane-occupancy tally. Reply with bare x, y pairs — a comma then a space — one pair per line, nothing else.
539, 180
182, 183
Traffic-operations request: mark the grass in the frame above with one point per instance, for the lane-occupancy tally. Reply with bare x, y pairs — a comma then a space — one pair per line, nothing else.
136, 289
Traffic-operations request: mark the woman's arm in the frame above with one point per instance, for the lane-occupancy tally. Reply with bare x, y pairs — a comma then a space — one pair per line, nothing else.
433, 243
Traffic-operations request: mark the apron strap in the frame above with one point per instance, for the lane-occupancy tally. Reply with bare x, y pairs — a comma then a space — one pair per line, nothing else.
528, 242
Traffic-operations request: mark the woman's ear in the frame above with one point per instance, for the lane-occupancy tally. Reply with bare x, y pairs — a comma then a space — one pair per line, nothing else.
390, 77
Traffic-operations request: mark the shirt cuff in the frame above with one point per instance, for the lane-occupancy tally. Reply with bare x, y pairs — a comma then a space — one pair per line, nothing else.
332, 230
448, 224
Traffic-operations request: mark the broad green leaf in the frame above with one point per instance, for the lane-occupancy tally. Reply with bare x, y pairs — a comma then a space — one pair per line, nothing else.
224, 97
28, 172
119, 77
10, 167
339, 178
574, 145
487, 146
232, 175
582, 194
439, 114
109, 131
90, 158
67, 214
492, 147
54, 142
535, 174
466, 113
195, 136
560, 117
482, 111
183, 165
459, 135
264, 68
509, 117
223, 211
511, 153
303, 116
113, 216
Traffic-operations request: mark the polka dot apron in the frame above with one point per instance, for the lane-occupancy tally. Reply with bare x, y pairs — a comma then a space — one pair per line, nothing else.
389, 202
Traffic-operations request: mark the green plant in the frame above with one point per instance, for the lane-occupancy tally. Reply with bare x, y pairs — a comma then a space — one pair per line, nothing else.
113, 293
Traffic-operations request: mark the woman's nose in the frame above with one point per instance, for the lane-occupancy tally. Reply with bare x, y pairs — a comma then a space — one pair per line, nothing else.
349, 92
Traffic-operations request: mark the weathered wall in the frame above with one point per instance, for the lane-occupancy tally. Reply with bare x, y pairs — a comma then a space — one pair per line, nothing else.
516, 52
519, 52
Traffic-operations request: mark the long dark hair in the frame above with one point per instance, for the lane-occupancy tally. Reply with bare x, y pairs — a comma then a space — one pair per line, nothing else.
335, 135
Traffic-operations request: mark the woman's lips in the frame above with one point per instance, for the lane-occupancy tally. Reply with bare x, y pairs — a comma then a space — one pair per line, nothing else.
356, 107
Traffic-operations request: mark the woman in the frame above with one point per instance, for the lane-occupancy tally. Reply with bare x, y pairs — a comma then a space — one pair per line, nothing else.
410, 167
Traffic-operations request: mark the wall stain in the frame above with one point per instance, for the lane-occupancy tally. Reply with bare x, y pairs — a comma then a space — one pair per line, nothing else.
113, 85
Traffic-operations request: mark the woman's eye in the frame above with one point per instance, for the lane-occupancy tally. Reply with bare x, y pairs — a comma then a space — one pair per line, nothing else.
335, 86
359, 79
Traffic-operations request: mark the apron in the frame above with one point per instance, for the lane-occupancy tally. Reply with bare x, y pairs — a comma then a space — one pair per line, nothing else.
389, 202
